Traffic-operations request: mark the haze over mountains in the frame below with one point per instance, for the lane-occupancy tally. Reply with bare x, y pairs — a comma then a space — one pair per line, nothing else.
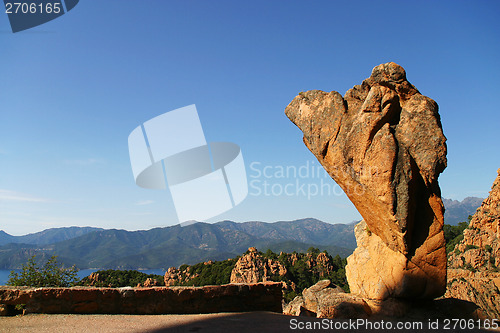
458, 211
175, 245
88, 247
47, 236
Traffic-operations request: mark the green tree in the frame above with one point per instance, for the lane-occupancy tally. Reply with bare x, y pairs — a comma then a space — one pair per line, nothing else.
313, 250
454, 234
270, 254
51, 274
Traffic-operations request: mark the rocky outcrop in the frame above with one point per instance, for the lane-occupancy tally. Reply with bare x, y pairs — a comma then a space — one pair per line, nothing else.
480, 288
184, 274
174, 276
94, 279
149, 283
253, 267
325, 300
480, 248
383, 144
159, 300
474, 275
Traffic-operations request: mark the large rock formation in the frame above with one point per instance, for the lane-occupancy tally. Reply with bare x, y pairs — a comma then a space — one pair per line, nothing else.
253, 268
474, 275
383, 144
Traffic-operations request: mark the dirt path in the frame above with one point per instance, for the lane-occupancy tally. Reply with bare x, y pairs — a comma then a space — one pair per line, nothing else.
204, 323
218, 322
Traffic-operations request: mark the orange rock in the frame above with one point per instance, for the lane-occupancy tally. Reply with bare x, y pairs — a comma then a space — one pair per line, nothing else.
473, 275
253, 268
383, 144
480, 248
324, 300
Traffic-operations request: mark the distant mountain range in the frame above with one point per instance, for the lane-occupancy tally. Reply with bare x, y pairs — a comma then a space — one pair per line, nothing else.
48, 236
99, 248
175, 245
458, 211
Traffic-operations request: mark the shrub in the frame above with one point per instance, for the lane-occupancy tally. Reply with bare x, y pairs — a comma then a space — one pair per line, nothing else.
270, 254
470, 247
120, 278
313, 250
216, 273
48, 275
470, 268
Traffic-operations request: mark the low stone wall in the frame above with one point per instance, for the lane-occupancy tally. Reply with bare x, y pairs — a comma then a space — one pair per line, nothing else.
158, 300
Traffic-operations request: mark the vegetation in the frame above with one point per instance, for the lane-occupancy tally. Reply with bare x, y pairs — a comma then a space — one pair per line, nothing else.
301, 271
304, 275
470, 247
120, 249
469, 267
119, 278
453, 234
218, 272
51, 274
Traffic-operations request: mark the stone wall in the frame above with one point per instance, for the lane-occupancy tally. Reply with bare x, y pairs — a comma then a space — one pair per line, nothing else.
158, 300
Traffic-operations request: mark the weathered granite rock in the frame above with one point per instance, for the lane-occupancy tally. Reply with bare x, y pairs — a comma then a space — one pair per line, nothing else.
158, 300
173, 276
480, 248
480, 288
150, 283
377, 269
253, 267
328, 301
325, 300
293, 308
473, 274
383, 144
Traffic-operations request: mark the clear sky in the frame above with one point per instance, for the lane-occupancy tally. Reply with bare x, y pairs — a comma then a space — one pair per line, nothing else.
73, 89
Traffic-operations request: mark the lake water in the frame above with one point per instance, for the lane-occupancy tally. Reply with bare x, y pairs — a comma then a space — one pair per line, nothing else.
4, 273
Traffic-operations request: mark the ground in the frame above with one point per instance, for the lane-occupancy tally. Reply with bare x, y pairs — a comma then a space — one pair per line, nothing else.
217, 322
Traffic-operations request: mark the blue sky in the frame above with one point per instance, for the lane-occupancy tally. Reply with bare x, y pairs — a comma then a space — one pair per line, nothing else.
74, 88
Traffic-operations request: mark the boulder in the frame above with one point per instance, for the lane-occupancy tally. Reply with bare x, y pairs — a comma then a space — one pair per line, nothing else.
325, 300
383, 144
293, 308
